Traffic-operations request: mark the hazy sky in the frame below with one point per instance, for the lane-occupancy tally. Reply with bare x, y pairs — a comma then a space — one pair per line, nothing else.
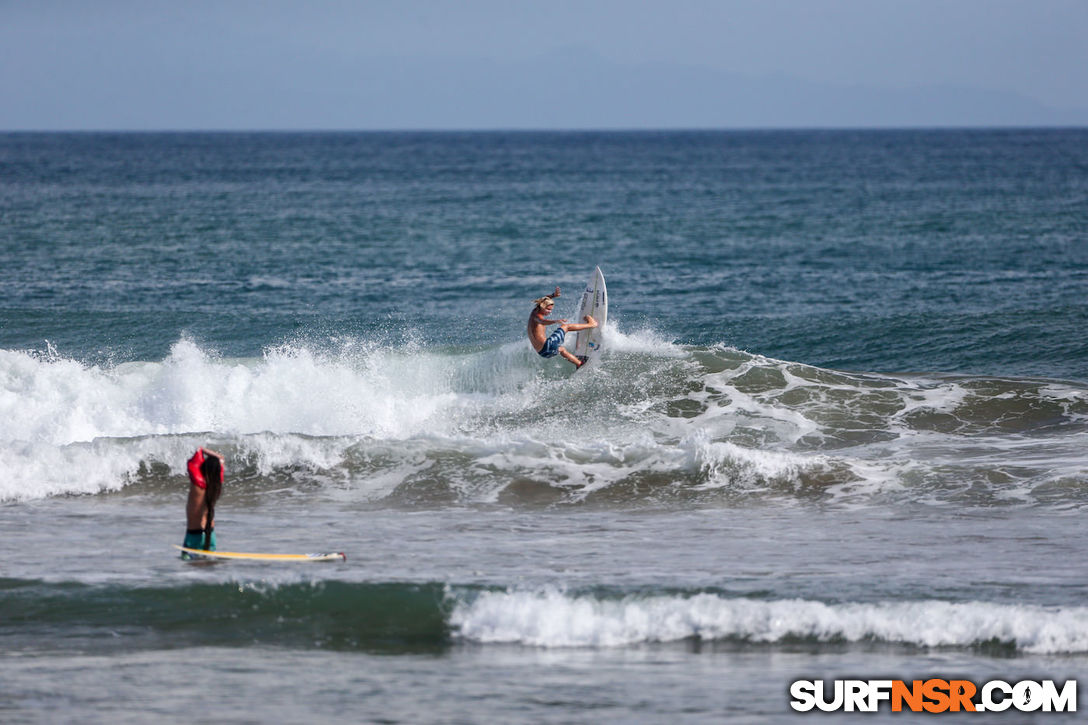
222, 64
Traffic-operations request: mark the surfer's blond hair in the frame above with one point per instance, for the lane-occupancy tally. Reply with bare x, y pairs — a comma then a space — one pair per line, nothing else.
541, 301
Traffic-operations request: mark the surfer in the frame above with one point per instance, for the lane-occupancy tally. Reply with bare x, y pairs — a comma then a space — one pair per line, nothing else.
206, 479
551, 345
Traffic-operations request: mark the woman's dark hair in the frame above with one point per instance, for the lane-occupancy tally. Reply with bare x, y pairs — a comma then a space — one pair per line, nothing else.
212, 470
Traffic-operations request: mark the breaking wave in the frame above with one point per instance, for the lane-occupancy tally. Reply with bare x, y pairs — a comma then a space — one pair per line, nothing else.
651, 421
430, 615
556, 619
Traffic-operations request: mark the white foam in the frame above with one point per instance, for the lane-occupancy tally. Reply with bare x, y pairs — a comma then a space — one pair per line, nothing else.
725, 464
552, 618
652, 407
584, 467
38, 470
289, 390
643, 341
942, 398
68, 427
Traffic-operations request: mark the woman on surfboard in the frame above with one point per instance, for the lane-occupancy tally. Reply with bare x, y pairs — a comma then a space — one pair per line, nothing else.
551, 345
206, 483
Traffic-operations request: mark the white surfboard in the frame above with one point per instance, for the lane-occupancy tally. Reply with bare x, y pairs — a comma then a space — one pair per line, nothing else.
594, 303
333, 556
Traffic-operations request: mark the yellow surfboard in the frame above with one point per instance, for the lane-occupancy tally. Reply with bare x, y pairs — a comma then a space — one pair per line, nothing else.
334, 556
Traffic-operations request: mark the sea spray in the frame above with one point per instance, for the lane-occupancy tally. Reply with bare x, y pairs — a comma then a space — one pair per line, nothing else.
654, 422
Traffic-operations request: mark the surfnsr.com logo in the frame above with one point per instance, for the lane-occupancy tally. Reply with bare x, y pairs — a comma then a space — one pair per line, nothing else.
933, 695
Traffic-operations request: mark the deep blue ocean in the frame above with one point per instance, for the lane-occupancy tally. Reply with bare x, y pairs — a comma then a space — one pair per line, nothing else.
839, 427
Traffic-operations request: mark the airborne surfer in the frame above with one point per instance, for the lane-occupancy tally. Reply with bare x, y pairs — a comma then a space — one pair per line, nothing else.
551, 345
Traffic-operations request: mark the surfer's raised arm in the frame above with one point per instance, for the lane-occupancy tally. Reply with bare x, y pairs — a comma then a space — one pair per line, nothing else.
544, 305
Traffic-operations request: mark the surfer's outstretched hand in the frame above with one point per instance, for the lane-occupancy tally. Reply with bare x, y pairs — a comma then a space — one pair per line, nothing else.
556, 293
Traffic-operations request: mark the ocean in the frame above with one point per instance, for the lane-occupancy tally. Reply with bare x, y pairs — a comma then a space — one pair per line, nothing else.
839, 429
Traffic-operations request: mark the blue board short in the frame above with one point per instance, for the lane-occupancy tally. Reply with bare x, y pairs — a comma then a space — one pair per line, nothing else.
551, 345
195, 540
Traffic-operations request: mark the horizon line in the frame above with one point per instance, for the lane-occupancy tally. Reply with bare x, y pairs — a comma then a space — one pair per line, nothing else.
562, 130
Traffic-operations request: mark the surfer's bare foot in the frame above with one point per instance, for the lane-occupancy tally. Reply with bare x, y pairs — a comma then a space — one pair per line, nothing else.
591, 321
568, 357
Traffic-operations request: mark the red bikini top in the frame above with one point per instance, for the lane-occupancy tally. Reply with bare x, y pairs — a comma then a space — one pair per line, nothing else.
195, 474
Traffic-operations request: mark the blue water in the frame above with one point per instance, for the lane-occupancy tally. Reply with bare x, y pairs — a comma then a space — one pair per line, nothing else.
941, 251
839, 426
